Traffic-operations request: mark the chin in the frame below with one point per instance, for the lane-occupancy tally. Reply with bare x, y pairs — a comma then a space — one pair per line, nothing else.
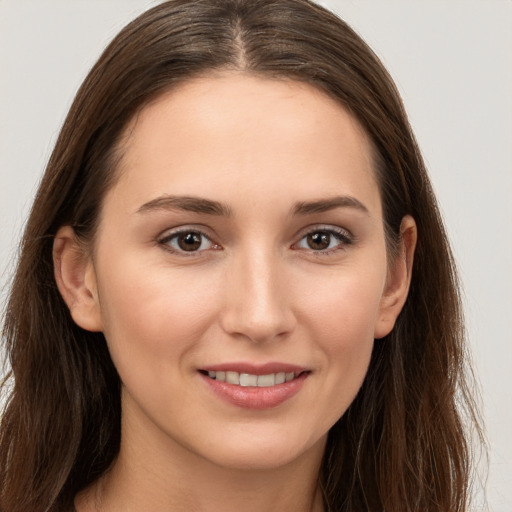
263, 454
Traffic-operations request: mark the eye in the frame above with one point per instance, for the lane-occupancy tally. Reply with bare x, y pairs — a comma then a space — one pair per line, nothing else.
324, 240
187, 241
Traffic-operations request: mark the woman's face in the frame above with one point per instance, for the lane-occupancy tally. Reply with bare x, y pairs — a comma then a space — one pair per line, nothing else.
243, 241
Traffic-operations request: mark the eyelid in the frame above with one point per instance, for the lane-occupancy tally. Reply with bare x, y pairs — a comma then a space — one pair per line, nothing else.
164, 239
346, 237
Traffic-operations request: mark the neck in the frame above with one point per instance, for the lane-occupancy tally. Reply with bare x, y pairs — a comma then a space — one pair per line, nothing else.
167, 477
130, 489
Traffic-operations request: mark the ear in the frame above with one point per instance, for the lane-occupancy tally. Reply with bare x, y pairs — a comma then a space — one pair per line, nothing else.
398, 279
76, 279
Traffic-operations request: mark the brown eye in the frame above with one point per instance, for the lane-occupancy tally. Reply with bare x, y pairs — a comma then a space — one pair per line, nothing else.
319, 241
325, 241
187, 241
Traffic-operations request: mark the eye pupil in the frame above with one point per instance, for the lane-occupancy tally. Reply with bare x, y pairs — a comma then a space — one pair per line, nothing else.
319, 240
189, 241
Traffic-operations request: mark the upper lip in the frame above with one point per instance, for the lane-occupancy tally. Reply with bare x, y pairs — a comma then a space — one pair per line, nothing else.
254, 369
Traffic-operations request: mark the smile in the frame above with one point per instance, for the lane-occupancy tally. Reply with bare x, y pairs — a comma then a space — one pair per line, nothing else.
252, 386
251, 380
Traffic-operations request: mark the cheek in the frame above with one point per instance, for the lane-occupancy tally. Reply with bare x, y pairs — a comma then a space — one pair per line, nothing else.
155, 313
344, 305
341, 320
344, 331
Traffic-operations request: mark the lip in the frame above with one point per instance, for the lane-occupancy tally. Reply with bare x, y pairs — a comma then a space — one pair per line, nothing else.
255, 369
256, 398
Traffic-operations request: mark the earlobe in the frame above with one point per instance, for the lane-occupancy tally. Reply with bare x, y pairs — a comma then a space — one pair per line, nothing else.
398, 280
76, 279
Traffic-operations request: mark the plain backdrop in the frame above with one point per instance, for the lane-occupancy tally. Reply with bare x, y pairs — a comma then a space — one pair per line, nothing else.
452, 61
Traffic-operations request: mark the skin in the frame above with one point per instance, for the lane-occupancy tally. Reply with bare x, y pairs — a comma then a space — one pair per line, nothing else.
256, 290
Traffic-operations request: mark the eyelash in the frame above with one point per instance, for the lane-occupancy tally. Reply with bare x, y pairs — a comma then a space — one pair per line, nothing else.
166, 239
344, 237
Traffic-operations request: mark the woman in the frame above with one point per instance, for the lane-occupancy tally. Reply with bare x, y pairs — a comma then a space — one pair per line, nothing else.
225, 294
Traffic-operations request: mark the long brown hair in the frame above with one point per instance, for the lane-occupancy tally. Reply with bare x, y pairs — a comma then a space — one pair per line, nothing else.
402, 445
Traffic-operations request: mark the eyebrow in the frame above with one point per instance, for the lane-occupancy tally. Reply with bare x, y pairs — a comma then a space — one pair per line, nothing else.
188, 204
324, 205
210, 207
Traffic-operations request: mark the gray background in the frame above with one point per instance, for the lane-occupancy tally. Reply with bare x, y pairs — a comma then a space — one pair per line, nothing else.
452, 62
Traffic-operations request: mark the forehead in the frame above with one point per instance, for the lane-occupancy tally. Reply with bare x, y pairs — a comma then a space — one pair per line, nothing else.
232, 131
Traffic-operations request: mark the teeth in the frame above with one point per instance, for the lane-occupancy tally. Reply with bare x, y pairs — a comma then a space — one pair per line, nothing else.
250, 380
264, 381
232, 378
246, 380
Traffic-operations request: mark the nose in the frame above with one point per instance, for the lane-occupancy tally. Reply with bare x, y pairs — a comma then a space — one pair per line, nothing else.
258, 298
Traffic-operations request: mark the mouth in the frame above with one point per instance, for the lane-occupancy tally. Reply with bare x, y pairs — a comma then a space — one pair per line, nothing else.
250, 386
252, 380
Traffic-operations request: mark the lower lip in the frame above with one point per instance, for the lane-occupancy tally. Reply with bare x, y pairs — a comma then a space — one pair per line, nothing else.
255, 397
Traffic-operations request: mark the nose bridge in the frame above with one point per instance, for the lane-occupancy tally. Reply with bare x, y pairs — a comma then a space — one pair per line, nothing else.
258, 303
